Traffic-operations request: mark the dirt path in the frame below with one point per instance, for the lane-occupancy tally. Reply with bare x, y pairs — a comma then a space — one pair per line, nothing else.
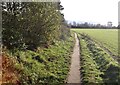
74, 74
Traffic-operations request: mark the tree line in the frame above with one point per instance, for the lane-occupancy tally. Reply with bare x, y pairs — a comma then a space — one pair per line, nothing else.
28, 25
90, 25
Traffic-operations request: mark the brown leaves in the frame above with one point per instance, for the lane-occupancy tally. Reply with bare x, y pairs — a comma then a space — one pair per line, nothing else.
9, 73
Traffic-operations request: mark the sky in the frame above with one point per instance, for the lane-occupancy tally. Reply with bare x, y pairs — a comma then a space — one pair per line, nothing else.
94, 11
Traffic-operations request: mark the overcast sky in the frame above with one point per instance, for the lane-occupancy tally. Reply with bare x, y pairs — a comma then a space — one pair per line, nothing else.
97, 11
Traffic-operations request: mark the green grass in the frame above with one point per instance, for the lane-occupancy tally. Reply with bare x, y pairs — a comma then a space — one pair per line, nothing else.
48, 65
107, 37
97, 65
89, 69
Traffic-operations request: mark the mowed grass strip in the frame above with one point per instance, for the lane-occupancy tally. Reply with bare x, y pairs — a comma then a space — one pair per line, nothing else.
107, 37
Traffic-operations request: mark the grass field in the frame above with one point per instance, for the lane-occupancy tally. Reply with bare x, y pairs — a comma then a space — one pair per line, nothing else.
106, 37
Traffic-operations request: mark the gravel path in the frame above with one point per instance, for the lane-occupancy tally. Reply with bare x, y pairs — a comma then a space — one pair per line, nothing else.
74, 74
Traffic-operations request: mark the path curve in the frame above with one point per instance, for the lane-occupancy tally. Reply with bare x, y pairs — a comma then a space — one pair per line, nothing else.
74, 74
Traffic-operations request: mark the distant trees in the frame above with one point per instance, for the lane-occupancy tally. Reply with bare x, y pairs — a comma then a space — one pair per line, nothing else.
89, 25
29, 25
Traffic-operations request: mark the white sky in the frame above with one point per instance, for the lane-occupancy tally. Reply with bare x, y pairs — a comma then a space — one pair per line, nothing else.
98, 11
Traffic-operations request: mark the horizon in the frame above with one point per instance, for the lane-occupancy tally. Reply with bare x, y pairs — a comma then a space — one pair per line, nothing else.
94, 11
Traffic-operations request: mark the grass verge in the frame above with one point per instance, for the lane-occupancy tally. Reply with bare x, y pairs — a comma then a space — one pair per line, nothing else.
94, 57
48, 65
